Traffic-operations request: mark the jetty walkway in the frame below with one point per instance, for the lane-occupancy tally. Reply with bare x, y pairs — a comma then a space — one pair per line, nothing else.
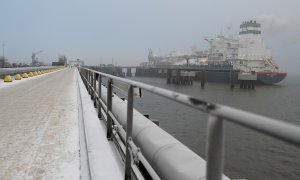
39, 137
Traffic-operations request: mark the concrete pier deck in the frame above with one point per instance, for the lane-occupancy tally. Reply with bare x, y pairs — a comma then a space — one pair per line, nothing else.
50, 130
39, 128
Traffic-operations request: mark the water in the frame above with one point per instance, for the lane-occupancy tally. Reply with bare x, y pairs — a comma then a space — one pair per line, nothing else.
248, 154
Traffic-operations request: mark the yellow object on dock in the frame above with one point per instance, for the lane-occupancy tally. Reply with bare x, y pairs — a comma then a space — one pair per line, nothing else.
18, 77
39, 72
7, 78
35, 73
24, 75
30, 74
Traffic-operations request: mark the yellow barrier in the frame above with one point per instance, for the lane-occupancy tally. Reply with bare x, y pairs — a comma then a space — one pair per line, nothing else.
18, 77
24, 75
30, 74
7, 78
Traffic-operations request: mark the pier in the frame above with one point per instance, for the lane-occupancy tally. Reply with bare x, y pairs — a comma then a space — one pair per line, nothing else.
247, 80
180, 77
69, 124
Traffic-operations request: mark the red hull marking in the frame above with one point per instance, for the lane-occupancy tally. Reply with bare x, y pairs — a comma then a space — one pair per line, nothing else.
284, 73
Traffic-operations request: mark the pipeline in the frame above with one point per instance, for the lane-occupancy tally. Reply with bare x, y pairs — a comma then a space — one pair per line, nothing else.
170, 158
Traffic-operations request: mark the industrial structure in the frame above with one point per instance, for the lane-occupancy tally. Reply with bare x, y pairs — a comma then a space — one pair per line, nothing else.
62, 61
34, 58
2, 61
76, 63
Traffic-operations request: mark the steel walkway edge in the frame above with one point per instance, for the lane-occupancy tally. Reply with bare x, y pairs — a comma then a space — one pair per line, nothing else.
99, 158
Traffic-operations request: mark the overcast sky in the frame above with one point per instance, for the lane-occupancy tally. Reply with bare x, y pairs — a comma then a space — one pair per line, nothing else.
98, 31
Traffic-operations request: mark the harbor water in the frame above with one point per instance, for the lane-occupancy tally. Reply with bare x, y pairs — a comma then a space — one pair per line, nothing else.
248, 154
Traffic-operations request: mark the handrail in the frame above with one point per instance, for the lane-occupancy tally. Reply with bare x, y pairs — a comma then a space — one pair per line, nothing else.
217, 113
262, 123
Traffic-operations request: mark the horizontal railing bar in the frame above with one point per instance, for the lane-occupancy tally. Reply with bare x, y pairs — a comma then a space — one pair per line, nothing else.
121, 130
137, 173
103, 105
133, 146
146, 164
121, 145
269, 126
273, 127
181, 98
100, 100
120, 141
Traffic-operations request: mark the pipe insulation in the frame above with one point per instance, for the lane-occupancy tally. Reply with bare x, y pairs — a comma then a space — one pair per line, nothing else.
171, 159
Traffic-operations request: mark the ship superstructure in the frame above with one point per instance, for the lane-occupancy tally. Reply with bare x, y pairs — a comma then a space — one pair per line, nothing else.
246, 51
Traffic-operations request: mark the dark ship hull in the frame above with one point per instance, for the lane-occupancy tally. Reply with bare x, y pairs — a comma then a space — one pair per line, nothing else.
270, 77
224, 76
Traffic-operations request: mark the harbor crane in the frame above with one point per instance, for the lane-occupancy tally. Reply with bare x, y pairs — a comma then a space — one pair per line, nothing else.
34, 58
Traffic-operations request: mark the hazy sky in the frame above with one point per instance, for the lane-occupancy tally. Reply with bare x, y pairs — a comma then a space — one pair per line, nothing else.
99, 30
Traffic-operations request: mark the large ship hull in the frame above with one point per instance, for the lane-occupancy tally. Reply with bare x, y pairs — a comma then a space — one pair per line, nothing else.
224, 76
270, 77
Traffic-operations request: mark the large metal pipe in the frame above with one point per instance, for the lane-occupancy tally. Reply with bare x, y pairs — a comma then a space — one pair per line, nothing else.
170, 158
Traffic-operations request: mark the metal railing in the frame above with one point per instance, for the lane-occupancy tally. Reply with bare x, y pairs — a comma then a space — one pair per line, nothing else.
217, 114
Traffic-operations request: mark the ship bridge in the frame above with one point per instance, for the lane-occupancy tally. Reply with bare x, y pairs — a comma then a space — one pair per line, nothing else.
250, 27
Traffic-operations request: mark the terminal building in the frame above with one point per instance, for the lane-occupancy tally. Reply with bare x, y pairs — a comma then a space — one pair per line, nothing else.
76, 63
62, 61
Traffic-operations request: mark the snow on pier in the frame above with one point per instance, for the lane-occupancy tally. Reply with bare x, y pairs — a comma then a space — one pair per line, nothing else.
39, 122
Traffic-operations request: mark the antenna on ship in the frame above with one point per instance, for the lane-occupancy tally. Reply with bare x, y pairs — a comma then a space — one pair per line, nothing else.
229, 30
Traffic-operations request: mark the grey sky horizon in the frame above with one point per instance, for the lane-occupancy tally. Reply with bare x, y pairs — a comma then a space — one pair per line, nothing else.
102, 31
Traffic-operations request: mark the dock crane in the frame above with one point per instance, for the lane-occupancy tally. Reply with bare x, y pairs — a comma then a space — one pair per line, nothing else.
34, 58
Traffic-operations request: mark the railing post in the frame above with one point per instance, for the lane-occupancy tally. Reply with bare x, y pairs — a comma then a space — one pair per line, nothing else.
129, 133
95, 89
214, 148
86, 78
92, 81
109, 107
99, 94
88, 81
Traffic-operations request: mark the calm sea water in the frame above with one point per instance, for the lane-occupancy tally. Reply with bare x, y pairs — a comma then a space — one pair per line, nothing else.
248, 154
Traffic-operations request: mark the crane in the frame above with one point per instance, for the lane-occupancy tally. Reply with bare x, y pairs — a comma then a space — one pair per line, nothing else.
34, 58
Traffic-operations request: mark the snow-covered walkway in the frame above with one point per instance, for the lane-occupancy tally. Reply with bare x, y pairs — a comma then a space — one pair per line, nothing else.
102, 160
39, 128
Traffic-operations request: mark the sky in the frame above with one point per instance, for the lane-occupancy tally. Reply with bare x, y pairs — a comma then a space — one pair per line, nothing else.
121, 31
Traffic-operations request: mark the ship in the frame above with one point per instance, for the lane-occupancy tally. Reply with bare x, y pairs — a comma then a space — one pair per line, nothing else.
244, 53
